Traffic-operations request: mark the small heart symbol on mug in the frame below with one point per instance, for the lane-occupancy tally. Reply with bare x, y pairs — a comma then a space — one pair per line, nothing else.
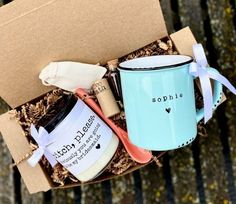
98, 146
168, 110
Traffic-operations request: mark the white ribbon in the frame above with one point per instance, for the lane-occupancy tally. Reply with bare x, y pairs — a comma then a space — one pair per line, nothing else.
199, 69
42, 138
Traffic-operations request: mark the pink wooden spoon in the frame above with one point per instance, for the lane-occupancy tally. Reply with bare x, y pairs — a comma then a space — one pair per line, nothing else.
136, 153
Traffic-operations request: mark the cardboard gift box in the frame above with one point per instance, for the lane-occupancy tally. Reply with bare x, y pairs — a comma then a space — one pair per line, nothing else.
37, 33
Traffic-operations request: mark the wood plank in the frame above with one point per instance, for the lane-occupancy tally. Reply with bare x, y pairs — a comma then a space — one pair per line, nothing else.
106, 192
212, 165
6, 174
92, 194
153, 183
77, 195
197, 165
27, 198
183, 175
168, 179
222, 27
63, 196
123, 189
191, 15
138, 188
226, 150
168, 15
223, 36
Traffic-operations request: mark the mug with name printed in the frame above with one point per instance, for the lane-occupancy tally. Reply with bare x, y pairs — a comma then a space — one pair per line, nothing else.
159, 101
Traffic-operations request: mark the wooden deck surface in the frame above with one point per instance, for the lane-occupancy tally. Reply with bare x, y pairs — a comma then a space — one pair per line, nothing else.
203, 172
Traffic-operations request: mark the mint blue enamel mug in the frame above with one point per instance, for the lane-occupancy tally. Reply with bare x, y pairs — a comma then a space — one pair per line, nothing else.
159, 101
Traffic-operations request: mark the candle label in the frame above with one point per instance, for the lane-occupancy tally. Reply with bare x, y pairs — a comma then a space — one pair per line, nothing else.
80, 139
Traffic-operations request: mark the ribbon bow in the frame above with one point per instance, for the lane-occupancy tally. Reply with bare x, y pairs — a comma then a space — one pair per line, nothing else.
199, 69
42, 138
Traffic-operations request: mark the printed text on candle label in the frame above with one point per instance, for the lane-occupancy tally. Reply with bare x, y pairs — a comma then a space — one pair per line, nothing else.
75, 148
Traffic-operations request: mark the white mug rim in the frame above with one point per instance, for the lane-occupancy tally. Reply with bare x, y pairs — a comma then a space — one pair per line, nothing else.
155, 62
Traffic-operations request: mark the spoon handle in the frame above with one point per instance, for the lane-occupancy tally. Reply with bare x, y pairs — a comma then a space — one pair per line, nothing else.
119, 131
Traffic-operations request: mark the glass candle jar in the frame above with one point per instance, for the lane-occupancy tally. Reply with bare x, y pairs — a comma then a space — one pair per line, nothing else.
81, 141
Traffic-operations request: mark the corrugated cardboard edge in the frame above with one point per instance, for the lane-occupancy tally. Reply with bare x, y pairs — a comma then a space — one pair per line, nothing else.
185, 46
34, 178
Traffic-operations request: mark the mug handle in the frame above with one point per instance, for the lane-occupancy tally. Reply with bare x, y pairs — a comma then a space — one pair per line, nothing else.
217, 96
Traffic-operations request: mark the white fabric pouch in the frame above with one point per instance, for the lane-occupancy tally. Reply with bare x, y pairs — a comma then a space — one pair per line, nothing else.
71, 75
